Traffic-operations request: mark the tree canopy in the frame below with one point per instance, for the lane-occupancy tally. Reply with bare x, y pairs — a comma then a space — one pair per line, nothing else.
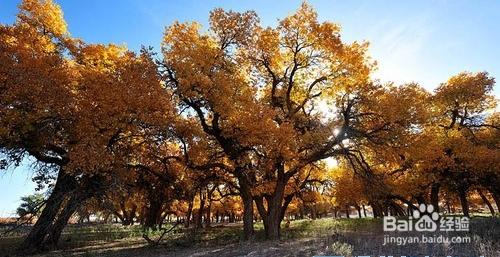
237, 121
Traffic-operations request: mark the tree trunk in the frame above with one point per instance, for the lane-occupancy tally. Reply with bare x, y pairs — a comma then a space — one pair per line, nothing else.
59, 209
377, 209
208, 219
201, 210
274, 214
364, 210
359, 211
131, 215
247, 198
486, 201
189, 211
435, 196
69, 209
420, 199
462, 193
288, 199
89, 187
35, 239
153, 213
127, 217
496, 197
313, 212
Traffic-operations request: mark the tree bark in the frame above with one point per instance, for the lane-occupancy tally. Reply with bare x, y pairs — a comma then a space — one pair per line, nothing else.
88, 187
247, 198
486, 201
153, 213
462, 193
201, 210
248, 231
68, 210
272, 216
375, 210
189, 211
359, 211
59, 209
208, 218
496, 197
287, 201
313, 211
36, 238
435, 196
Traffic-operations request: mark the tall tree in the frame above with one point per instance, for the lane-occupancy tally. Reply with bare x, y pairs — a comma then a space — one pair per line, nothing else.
76, 108
256, 93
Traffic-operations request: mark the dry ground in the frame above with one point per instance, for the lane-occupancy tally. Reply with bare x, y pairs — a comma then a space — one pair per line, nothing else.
303, 238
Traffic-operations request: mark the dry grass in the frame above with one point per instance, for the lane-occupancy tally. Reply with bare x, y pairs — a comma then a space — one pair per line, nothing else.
345, 237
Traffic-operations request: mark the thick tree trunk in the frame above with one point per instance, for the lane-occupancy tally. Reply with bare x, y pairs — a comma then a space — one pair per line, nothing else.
153, 214
364, 210
273, 228
313, 212
247, 198
65, 199
435, 196
201, 210
36, 238
375, 210
272, 221
462, 194
248, 231
89, 187
273, 215
486, 201
69, 209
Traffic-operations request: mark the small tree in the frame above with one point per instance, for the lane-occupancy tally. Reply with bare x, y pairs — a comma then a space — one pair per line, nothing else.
31, 206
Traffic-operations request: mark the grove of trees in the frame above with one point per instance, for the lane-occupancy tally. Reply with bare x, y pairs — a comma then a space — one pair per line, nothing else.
234, 123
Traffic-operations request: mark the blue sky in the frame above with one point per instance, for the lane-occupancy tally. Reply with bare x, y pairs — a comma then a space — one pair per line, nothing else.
419, 41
